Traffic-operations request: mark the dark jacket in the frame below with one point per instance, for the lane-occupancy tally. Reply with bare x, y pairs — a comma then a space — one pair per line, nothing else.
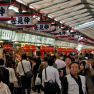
64, 73
92, 77
6, 75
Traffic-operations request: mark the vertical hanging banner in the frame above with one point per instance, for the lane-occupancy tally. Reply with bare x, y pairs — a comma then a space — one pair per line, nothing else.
43, 26
4, 11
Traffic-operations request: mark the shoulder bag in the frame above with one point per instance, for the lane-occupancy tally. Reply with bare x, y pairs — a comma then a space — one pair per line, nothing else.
50, 86
27, 74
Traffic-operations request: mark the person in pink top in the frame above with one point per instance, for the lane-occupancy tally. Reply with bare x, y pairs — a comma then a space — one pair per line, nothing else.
3, 87
60, 63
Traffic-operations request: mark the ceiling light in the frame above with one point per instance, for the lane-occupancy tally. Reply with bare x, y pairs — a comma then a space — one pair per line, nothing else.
55, 19
50, 16
1, 41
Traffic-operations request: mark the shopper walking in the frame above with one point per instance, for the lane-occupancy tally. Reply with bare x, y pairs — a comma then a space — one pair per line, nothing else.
26, 83
88, 73
3, 87
12, 77
51, 74
73, 83
60, 63
5, 72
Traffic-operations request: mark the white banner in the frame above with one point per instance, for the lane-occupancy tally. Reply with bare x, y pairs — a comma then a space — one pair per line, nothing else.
21, 20
3, 11
42, 27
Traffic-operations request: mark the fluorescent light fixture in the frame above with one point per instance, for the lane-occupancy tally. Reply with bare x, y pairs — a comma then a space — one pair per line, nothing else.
60, 22
55, 19
31, 6
16, 42
1, 41
50, 16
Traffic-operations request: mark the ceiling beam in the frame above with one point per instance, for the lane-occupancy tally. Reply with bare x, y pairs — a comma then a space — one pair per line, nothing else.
53, 4
34, 2
88, 7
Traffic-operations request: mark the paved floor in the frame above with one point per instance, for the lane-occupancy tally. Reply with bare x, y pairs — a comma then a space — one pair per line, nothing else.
35, 92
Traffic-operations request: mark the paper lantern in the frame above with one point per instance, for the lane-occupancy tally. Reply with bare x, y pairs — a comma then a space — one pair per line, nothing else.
11, 12
26, 48
59, 50
51, 48
32, 47
6, 47
63, 49
34, 21
59, 30
52, 28
47, 49
42, 48
68, 33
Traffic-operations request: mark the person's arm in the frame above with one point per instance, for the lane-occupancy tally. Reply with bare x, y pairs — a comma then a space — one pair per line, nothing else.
65, 86
14, 77
57, 79
7, 77
43, 77
91, 69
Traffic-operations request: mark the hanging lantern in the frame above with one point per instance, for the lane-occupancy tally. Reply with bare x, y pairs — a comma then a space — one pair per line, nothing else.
47, 49
51, 48
6, 47
63, 49
52, 28
42, 48
11, 12
68, 33
32, 47
59, 49
34, 21
59, 30
26, 48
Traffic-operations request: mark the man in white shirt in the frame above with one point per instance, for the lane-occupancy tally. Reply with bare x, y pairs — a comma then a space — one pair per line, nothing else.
60, 63
27, 67
52, 74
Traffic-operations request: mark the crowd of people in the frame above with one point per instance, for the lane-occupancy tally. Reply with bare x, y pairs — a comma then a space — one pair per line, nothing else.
72, 74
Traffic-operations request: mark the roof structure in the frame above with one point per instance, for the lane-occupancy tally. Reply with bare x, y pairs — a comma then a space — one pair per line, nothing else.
69, 12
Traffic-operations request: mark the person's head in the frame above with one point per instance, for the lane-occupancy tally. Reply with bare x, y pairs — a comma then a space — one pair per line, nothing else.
35, 59
29, 58
54, 58
61, 54
91, 60
9, 64
38, 61
68, 60
82, 65
57, 56
1, 75
74, 68
23, 56
50, 62
45, 59
48, 56
1, 61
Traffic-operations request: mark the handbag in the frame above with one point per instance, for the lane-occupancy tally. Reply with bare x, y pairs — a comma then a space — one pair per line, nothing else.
50, 86
28, 74
37, 81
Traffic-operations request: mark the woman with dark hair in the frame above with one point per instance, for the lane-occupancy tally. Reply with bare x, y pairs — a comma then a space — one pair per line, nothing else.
3, 87
12, 77
65, 70
87, 72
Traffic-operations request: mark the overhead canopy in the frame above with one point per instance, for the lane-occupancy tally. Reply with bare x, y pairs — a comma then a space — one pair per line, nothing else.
70, 12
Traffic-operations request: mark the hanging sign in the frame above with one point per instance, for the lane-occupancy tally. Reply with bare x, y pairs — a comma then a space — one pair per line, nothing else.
7, 34
22, 20
42, 27
4, 11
